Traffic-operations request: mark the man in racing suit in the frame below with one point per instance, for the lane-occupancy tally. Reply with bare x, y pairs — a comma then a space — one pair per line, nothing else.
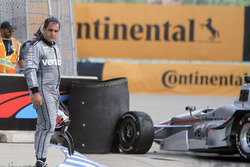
42, 71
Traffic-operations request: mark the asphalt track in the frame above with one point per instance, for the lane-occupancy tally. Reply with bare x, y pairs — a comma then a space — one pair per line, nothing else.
160, 108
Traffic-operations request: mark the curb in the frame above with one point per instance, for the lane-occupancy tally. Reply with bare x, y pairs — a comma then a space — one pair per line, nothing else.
76, 160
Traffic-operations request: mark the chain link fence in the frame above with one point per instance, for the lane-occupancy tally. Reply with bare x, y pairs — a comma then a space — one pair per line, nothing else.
28, 15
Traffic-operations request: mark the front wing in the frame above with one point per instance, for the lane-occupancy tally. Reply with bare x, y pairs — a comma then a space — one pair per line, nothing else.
182, 138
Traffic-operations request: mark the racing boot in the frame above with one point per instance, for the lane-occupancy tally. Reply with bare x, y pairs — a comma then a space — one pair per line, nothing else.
40, 163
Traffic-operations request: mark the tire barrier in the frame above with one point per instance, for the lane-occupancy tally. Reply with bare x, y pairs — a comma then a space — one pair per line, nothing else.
95, 109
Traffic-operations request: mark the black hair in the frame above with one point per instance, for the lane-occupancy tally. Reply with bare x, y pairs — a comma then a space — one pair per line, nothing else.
53, 20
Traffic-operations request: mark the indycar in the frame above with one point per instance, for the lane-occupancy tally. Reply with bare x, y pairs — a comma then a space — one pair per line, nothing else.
222, 130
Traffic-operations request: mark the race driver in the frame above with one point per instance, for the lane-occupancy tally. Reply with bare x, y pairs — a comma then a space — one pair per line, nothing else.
42, 65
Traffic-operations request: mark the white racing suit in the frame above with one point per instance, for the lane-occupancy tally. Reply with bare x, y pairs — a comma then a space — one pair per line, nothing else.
42, 72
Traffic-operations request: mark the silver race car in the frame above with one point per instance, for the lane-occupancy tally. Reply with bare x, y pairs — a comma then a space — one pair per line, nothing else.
222, 130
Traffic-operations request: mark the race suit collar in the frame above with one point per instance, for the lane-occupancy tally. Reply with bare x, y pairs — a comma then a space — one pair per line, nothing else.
51, 44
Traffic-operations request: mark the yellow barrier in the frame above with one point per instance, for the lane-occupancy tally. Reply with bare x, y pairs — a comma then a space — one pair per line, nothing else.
186, 79
172, 32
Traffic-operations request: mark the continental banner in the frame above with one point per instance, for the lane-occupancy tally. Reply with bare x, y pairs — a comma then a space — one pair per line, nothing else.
180, 79
172, 32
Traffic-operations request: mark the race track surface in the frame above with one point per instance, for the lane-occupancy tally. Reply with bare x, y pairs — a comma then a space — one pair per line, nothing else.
160, 108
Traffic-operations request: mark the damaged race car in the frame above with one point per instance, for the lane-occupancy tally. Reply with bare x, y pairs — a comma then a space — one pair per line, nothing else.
222, 130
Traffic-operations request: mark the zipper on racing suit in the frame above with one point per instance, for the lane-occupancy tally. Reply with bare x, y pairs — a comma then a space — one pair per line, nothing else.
57, 68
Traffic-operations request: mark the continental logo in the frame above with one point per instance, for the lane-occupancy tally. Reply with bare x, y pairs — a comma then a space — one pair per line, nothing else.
172, 79
103, 29
214, 33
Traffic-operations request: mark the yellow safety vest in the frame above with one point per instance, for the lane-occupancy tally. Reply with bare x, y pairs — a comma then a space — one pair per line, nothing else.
8, 64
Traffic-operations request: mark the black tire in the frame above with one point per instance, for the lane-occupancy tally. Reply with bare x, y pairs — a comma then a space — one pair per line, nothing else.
136, 133
241, 142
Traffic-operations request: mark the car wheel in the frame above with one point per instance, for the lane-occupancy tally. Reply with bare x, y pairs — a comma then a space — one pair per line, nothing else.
242, 137
136, 133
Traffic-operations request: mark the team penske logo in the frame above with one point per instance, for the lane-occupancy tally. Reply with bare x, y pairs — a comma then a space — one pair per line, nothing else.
51, 62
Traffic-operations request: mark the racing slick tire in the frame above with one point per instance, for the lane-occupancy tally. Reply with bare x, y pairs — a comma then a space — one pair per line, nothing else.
135, 133
242, 137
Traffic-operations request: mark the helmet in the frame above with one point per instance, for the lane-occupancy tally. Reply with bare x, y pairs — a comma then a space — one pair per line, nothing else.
62, 115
